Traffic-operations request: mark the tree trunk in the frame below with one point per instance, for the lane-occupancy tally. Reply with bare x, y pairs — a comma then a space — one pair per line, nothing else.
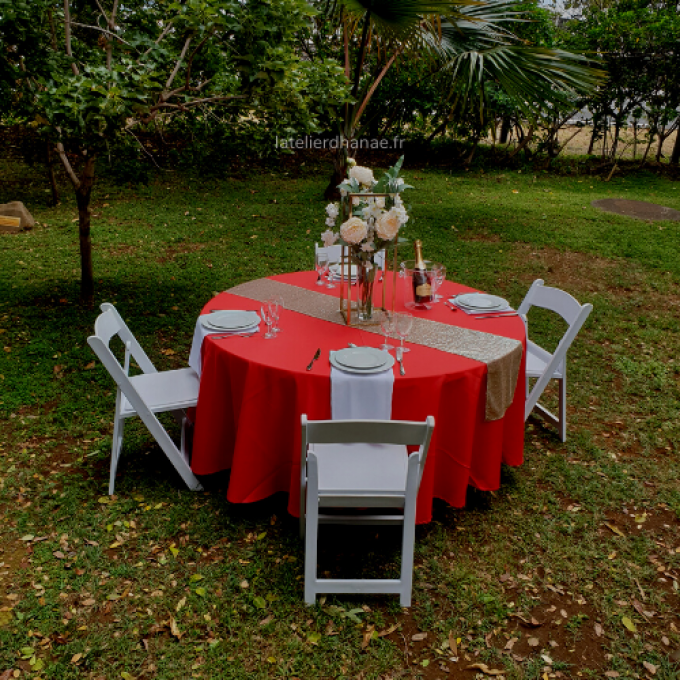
83, 195
505, 130
615, 139
52, 177
592, 139
332, 193
675, 155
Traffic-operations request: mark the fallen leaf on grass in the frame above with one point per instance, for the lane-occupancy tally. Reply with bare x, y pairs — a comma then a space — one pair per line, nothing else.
180, 604
76, 657
174, 629
88, 603
598, 630
419, 636
7, 675
484, 668
531, 624
649, 667
511, 643
388, 631
5, 618
628, 624
639, 608
313, 638
367, 636
615, 529
611, 674
533, 642
453, 646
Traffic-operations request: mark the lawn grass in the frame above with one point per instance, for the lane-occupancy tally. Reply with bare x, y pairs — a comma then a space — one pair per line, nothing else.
162, 582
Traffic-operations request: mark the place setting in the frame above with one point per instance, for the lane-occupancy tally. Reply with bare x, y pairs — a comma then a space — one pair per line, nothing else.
481, 305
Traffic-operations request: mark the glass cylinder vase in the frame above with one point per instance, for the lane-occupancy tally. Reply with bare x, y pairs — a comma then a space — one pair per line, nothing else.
365, 278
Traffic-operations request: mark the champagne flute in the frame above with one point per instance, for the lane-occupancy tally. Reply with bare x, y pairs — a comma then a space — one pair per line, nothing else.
273, 307
387, 328
268, 319
403, 323
321, 265
277, 304
438, 277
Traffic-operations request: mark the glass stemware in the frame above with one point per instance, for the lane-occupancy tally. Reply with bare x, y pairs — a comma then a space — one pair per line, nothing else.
387, 328
277, 305
321, 265
438, 278
268, 318
403, 322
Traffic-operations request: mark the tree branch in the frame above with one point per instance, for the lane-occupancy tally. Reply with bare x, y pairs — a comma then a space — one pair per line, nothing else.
67, 165
153, 160
190, 60
164, 32
102, 30
179, 62
373, 87
67, 37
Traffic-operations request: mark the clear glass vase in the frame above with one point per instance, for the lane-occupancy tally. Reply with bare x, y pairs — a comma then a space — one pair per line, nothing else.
366, 270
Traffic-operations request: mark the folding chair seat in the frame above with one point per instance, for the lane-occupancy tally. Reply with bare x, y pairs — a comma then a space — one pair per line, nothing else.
361, 464
543, 365
144, 395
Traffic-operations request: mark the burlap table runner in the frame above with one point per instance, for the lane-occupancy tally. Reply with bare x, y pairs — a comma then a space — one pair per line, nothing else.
501, 355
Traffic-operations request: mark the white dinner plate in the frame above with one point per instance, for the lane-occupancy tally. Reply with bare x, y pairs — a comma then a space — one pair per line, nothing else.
230, 320
361, 358
480, 301
387, 365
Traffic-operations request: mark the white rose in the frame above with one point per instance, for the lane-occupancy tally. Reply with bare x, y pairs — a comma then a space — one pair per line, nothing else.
329, 238
397, 200
380, 201
354, 230
387, 225
401, 214
332, 210
362, 175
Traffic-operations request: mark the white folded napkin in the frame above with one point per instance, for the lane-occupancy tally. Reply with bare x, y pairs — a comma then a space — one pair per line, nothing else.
357, 396
474, 312
200, 334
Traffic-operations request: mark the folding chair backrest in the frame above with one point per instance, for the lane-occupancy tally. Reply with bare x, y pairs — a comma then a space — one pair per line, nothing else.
335, 254
574, 313
108, 325
368, 432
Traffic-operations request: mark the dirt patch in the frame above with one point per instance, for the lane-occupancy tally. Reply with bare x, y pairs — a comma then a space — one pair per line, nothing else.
640, 210
586, 273
171, 252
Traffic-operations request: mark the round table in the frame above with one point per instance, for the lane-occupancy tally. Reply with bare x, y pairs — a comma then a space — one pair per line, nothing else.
253, 392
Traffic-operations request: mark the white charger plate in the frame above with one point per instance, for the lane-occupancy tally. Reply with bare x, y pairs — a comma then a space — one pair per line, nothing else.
387, 365
480, 301
361, 358
230, 320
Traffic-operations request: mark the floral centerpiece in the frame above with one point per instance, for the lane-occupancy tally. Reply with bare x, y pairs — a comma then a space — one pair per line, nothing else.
369, 223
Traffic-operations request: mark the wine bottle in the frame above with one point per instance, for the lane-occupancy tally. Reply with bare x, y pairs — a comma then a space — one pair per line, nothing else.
422, 282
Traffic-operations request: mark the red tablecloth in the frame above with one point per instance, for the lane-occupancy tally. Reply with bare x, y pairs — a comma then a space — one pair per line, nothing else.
253, 392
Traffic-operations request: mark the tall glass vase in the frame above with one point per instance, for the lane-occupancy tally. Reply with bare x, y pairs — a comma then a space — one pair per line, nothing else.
366, 270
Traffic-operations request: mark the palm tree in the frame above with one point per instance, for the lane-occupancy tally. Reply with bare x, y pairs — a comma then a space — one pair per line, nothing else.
466, 40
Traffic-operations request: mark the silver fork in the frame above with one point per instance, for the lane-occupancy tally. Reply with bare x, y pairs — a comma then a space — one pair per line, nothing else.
400, 359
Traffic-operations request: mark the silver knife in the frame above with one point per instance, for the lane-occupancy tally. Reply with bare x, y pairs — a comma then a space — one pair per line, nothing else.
317, 354
400, 359
497, 316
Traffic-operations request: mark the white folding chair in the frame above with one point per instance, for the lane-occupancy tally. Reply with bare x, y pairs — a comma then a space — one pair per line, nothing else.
361, 464
144, 395
543, 365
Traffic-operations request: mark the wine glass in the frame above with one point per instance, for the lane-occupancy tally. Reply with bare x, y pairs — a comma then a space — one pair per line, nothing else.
403, 322
438, 278
273, 307
321, 265
276, 305
387, 328
268, 318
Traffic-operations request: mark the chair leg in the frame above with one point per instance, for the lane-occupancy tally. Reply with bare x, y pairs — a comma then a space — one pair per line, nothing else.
563, 406
311, 534
116, 448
